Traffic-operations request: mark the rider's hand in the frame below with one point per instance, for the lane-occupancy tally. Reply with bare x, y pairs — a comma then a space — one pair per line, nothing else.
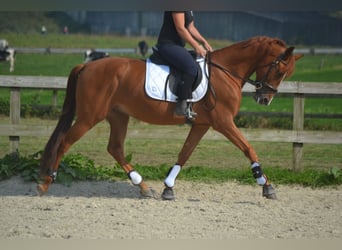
200, 51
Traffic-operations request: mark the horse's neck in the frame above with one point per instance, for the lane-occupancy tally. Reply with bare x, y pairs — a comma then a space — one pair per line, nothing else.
240, 61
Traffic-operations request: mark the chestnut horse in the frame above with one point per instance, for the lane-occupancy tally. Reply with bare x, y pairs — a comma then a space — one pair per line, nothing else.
113, 89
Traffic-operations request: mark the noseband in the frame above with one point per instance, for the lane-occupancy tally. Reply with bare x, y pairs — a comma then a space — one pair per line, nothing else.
258, 84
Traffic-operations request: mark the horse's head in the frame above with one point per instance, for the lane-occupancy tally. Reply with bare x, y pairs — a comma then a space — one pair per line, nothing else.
278, 64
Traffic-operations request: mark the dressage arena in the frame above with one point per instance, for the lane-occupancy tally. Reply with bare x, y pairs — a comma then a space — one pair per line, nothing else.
113, 210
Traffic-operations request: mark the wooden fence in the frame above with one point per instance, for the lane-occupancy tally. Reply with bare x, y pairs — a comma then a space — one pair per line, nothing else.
48, 50
298, 136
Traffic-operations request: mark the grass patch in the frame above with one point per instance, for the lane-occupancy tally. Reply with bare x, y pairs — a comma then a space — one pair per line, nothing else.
220, 154
77, 167
318, 68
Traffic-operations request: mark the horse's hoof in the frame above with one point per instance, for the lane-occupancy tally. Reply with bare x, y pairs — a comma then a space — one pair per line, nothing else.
269, 192
168, 194
147, 193
41, 189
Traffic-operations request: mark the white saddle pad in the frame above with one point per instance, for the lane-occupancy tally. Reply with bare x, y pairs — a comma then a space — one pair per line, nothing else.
156, 76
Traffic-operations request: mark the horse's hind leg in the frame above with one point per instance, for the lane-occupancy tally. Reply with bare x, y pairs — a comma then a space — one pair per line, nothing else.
72, 135
118, 124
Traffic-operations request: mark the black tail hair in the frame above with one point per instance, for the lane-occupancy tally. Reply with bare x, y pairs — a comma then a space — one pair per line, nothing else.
68, 112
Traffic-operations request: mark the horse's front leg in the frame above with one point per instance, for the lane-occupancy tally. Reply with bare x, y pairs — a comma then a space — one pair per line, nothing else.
12, 59
236, 137
195, 135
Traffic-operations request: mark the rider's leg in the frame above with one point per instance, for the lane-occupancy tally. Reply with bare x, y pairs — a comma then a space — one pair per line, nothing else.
184, 92
179, 57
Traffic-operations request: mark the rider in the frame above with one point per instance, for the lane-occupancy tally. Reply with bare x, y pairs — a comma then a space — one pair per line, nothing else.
178, 29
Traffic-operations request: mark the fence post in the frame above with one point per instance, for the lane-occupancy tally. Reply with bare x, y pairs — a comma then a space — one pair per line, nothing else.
15, 117
298, 125
54, 98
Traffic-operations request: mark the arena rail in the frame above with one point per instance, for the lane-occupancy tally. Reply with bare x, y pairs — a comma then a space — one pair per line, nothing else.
297, 136
49, 50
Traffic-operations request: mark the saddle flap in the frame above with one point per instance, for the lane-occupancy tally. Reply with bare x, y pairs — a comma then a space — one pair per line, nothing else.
160, 82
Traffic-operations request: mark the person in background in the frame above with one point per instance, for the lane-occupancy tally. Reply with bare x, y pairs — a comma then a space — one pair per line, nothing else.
178, 28
65, 30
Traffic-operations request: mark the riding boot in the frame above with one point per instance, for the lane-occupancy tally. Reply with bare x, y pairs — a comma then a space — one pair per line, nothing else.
183, 108
184, 92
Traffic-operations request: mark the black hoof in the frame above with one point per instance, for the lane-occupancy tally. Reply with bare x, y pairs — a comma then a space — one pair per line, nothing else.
147, 193
168, 194
269, 192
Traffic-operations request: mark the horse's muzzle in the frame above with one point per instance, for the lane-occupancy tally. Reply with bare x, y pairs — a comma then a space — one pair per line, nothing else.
263, 99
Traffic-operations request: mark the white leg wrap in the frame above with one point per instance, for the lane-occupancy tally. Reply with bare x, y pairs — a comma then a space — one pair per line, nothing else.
170, 179
135, 177
261, 180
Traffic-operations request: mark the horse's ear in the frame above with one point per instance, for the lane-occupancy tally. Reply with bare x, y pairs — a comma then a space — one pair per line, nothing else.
288, 53
279, 42
298, 56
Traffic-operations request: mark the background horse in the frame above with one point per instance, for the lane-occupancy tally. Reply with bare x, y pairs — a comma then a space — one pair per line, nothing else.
7, 54
142, 48
113, 89
93, 55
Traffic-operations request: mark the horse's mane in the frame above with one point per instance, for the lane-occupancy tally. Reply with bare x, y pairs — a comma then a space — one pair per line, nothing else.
256, 40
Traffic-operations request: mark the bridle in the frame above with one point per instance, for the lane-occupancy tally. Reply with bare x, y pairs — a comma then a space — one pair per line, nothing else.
260, 85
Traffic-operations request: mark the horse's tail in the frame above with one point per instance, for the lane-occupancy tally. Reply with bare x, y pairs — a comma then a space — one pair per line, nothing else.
64, 123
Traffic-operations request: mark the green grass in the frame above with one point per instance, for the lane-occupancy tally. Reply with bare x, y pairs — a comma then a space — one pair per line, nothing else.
74, 40
47, 65
218, 154
285, 105
318, 68
75, 166
57, 40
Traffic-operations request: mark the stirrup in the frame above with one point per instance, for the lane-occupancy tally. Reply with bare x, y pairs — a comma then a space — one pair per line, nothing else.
184, 108
189, 113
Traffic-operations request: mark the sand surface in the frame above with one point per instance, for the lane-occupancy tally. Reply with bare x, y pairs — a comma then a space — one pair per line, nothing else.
114, 210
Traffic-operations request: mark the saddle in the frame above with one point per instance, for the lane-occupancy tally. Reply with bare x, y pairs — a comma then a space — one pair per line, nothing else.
162, 80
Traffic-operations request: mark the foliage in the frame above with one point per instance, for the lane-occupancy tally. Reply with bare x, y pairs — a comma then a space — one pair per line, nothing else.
4, 107
72, 167
31, 109
14, 164
76, 167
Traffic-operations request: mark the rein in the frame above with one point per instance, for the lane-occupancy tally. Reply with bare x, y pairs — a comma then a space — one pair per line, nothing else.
262, 84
